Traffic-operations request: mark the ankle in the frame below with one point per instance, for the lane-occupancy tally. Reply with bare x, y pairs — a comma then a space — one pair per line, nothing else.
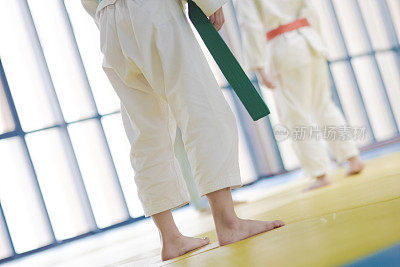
354, 159
230, 222
169, 238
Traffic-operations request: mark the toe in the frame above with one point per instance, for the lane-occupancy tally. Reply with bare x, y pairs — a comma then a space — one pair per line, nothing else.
274, 224
205, 241
278, 223
356, 170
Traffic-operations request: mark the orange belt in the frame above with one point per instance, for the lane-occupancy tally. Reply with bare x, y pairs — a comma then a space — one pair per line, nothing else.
294, 25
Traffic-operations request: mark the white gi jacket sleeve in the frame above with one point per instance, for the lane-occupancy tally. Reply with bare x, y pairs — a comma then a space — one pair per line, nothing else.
207, 6
90, 6
210, 6
254, 40
308, 11
314, 34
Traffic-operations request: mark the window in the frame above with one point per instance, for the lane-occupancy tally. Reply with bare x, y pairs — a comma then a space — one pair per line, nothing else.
65, 169
366, 76
54, 99
6, 120
351, 24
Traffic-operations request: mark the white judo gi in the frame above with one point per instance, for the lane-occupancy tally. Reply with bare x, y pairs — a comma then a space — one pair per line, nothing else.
299, 59
161, 76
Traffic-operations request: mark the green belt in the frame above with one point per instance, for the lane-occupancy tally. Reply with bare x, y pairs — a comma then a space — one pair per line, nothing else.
228, 64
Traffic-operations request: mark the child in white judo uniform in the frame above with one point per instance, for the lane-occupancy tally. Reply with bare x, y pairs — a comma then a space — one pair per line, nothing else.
298, 57
160, 74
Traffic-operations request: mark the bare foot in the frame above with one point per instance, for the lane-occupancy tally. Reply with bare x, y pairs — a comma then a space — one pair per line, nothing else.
356, 165
181, 245
320, 181
241, 229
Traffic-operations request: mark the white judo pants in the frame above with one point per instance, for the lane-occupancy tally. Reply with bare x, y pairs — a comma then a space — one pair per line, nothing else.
161, 76
305, 98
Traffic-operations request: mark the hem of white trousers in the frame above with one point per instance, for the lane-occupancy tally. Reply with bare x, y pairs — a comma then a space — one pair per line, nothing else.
347, 156
339, 161
231, 181
316, 174
167, 205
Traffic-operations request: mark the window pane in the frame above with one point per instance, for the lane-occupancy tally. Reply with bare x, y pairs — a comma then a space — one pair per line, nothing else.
389, 63
58, 181
24, 67
62, 58
88, 39
350, 100
375, 23
5, 248
19, 198
351, 25
97, 172
120, 150
394, 7
6, 119
371, 89
330, 31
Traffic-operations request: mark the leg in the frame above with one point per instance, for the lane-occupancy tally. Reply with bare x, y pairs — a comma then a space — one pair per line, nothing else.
155, 173
146, 119
175, 76
293, 100
209, 130
229, 227
174, 244
329, 116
